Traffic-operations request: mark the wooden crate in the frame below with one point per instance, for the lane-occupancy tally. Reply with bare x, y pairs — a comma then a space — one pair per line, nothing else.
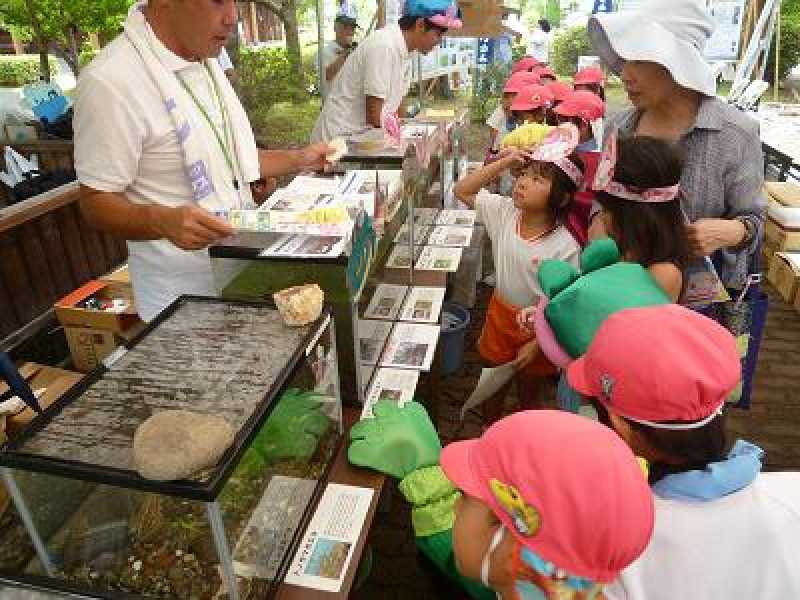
784, 275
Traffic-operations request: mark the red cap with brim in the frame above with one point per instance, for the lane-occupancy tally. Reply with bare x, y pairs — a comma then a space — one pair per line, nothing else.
582, 104
659, 364
545, 71
565, 486
526, 63
560, 90
518, 81
532, 97
589, 76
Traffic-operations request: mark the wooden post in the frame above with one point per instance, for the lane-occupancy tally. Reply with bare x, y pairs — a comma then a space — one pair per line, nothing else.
776, 70
19, 47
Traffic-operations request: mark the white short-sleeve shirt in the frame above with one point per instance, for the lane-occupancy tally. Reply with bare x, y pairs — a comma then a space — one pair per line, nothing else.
516, 261
499, 122
745, 546
329, 53
125, 142
379, 67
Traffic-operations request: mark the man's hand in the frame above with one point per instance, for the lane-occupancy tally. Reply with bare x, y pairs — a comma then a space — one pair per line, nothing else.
526, 355
313, 156
706, 236
190, 227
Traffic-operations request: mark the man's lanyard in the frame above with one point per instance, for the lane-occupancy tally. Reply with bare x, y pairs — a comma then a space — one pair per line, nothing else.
222, 137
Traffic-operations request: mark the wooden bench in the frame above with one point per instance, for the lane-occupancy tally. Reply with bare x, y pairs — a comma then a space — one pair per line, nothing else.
46, 251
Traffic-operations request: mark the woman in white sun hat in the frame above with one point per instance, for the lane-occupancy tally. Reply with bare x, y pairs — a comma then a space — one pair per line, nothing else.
658, 53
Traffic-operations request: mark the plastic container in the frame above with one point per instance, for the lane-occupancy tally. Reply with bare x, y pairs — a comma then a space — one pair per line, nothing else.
455, 320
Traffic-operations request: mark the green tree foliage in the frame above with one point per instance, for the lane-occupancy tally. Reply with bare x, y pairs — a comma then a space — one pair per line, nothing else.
488, 91
268, 77
288, 11
17, 71
567, 46
59, 25
790, 41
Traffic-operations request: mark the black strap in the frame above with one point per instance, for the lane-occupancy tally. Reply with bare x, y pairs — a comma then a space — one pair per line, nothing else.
16, 383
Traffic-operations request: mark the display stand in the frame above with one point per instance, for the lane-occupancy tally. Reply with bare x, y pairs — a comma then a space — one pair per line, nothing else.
345, 277
181, 538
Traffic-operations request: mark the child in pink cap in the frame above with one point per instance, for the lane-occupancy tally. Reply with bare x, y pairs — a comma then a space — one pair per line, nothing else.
660, 376
544, 505
592, 80
582, 108
525, 229
531, 104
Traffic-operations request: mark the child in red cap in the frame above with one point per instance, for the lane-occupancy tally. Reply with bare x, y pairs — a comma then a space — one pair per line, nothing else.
525, 229
637, 185
592, 80
581, 108
723, 529
500, 121
545, 73
545, 504
526, 63
532, 104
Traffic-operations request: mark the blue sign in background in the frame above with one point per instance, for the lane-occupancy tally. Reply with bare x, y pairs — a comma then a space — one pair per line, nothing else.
485, 53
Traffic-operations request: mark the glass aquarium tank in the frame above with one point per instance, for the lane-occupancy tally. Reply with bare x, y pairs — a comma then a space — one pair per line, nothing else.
95, 527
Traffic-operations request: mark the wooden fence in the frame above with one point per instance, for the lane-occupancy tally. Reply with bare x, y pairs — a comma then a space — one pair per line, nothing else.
46, 251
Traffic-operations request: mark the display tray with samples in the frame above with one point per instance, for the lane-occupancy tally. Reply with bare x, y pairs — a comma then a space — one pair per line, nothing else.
113, 507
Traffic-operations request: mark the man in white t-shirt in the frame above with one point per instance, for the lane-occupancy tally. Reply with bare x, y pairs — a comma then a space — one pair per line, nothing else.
376, 77
130, 156
335, 53
539, 42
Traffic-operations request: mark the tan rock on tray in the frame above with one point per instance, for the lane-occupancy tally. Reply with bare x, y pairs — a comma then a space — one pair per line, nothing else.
300, 305
176, 444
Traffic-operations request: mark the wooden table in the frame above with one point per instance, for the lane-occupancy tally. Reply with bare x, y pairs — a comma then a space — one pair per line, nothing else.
343, 472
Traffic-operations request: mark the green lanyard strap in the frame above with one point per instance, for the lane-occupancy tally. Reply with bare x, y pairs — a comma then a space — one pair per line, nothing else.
222, 138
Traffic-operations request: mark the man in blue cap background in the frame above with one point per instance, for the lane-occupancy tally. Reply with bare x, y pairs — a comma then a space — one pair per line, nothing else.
335, 53
376, 76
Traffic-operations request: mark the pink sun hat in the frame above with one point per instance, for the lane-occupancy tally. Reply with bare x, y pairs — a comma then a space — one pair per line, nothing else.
567, 488
659, 364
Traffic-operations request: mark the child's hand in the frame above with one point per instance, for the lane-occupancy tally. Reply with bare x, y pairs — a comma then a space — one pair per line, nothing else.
525, 319
514, 157
526, 355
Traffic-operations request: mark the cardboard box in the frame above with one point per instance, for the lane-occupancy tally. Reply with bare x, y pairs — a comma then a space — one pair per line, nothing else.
784, 274
55, 383
89, 346
119, 281
785, 240
786, 193
70, 314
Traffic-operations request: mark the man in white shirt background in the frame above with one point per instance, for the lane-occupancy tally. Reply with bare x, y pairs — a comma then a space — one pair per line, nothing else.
376, 77
539, 42
162, 143
335, 53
